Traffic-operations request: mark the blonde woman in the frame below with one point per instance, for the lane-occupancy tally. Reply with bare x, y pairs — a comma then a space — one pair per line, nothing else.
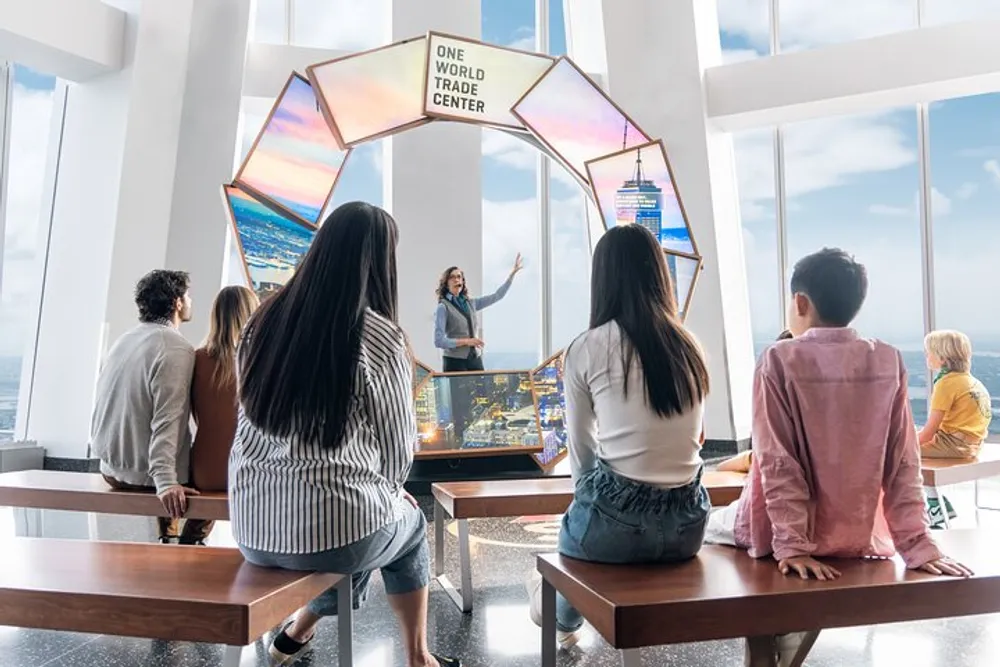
213, 390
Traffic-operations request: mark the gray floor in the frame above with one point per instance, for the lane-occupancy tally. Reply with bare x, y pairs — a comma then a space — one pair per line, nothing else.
498, 632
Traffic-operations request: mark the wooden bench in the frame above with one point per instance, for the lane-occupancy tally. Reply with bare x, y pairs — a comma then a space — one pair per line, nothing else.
201, 594
945, 472
36, 490
518, 497
723, 593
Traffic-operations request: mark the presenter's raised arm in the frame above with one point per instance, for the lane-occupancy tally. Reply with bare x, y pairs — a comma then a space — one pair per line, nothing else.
488, 300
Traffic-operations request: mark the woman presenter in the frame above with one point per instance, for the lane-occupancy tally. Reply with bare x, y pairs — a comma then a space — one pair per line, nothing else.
456, 330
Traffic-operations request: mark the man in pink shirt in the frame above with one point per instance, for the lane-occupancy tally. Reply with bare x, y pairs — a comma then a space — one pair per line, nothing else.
836, 465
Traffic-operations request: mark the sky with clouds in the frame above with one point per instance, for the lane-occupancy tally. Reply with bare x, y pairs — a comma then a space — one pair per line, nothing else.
31, 113
853, 181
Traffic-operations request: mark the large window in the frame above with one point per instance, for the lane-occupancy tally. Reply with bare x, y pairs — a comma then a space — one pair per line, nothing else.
806, 24
511, 328
325, 24
965, 172
852, 182
27, 116
951, 11
571, 242
744, 28
755, 169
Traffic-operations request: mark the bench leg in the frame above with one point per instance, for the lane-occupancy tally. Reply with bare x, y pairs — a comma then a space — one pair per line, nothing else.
808, 641
232, 656
463, 596
438, 539
760, 652
548, 624
345, 622
630, 657
28, 522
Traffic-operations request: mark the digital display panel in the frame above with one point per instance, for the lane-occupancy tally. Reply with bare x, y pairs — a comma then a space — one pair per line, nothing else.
271, 245
551, 397
636, 186
295, 161
566, 111
476, 82
477, 413
373, 93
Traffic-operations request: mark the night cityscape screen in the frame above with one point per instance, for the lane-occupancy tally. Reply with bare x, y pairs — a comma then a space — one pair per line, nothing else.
476, 412
551, 395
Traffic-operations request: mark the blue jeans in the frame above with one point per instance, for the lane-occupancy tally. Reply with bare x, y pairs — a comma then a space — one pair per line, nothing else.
399, 550
616, 520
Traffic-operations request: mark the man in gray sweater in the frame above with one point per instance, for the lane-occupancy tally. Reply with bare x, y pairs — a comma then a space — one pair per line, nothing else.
140, 425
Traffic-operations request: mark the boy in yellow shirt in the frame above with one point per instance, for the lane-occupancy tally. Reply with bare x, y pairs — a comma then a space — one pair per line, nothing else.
959, 412
959, 415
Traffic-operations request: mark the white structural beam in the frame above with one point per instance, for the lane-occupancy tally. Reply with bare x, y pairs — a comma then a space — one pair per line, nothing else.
268, 66
657, 53
433, 186
73, 39
143, 154
900, 69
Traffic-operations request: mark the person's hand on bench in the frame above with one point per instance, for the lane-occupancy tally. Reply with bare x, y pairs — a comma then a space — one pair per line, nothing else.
806, 566
945, 566
174, 499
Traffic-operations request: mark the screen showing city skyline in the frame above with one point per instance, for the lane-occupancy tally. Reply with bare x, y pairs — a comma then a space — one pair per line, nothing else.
683, 274
567, 112
295, 161
420, 373
271, 244
477, 412
375, 92
551, 396
636, 186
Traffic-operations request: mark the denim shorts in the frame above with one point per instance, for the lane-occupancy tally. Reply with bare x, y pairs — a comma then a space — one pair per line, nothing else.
398, 550
616, 520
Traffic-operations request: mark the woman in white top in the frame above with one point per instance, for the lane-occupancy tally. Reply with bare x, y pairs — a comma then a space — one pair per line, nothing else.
635, 384
326, 432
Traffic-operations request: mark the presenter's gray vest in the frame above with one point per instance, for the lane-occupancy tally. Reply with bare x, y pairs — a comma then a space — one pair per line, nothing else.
457, 326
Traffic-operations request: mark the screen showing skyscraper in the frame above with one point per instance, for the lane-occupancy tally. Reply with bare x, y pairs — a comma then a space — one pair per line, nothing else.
636, 186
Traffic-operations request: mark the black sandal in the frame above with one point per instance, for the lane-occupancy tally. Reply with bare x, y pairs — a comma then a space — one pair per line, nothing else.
445, 661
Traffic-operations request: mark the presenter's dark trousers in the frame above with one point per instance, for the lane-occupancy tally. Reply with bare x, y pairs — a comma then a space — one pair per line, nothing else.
454, 365
461, 399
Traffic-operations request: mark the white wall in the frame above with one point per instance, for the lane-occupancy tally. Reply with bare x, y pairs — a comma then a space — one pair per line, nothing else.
433, 187
73, 39
895, 70
144, 151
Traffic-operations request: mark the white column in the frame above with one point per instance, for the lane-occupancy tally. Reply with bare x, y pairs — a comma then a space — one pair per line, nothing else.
433, 186
144, 151
657, 53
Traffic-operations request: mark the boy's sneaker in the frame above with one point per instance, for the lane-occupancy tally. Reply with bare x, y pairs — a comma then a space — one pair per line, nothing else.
564, 639
284, 650
935, 515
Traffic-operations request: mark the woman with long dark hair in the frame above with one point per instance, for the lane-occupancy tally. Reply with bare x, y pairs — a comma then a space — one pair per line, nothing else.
456, 327
327, 431
641, 377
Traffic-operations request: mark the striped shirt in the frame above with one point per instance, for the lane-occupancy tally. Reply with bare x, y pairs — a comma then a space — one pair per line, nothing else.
293, 497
